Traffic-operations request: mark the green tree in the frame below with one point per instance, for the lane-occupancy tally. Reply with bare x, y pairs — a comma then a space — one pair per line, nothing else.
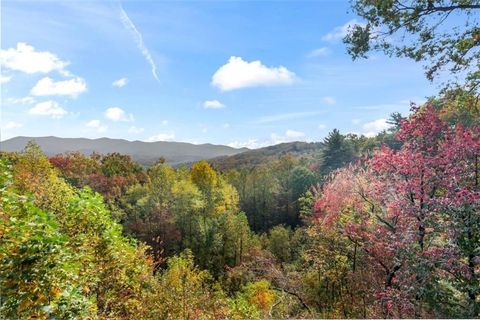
279, 243
187, 207
33, 173
235, 234
186, 292
254, 301
38, 270
302, 179
72, 232
162, 177
458, 107
204, 176
337, 152
116, 164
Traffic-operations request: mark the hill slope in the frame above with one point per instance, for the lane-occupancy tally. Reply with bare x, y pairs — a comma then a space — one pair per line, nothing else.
145, 153
267, 154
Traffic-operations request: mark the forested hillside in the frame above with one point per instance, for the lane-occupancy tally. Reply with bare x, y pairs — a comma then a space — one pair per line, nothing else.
267, 154
368, 227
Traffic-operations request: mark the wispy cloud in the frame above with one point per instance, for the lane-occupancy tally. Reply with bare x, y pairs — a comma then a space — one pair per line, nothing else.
289, 136
250, 144
329, 100
402, 106
169, 136
96, 125
120, 82
13, 125
340, 32
320, 52
370, 129
135, 130
24, 100
213, 104
127, 22
286, 116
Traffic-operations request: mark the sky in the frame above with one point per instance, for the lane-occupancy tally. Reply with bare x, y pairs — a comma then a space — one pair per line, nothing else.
238, 73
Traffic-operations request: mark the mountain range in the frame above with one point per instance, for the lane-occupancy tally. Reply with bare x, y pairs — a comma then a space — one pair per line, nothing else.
145, 153
175, 153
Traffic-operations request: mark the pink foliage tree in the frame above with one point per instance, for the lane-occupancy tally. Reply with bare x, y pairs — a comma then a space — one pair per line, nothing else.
415, 213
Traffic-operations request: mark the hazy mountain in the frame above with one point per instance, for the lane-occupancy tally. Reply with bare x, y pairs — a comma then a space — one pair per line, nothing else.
267, 154
144, 152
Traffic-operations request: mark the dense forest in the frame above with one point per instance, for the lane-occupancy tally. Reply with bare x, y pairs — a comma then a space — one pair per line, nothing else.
350, 227
368, 227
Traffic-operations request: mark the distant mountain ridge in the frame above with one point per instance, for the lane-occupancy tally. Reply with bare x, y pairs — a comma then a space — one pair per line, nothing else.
145, 153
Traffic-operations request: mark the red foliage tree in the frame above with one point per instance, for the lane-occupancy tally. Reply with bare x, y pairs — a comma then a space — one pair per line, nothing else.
415, 214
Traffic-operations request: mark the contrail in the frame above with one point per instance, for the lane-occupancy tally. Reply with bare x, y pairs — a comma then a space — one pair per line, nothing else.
139, 40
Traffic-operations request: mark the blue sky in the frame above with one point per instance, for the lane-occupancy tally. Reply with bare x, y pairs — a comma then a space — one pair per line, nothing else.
246, 73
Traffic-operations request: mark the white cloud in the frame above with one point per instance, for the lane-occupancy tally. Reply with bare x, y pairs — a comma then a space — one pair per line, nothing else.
341, 31
237, 74
26, 59
135, 130
48, 108
322, 126
97, 125
139, 40
4, 79
117, 114
213, 104
250, 144
289, 136
48, 87
372, 128
120, 82
24, 100
294, 134
162, 137
320, 52
13, 125
93, 124
329, 100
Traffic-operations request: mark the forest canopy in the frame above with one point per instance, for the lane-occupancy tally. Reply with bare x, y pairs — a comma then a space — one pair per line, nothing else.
369, 227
